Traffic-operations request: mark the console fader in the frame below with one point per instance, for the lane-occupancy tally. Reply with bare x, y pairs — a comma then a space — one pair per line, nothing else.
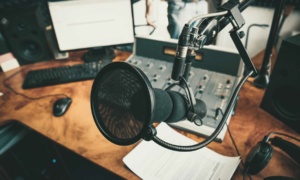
213, 77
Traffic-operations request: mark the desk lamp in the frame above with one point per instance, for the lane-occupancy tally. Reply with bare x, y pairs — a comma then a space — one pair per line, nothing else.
125, 106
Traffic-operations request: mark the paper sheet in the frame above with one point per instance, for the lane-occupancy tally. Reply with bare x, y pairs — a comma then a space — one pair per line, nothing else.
151, 161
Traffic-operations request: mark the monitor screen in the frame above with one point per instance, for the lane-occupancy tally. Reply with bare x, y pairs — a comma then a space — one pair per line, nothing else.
82, 24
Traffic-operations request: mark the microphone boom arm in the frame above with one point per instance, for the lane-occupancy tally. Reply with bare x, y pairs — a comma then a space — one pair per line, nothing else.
228, 12
235, 17
237, 22
242, 51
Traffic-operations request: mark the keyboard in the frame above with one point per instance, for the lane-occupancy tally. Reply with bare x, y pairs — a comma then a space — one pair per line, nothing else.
62, 74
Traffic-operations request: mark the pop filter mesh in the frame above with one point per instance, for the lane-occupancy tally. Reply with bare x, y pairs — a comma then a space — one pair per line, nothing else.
112, 92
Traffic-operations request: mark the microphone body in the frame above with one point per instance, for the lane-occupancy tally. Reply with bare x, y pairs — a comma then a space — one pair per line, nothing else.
169, 107
181, 51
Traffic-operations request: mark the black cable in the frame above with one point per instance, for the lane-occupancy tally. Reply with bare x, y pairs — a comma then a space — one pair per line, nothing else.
188, 92
219, 110
234, 144
4, 82
248, 31
245, 174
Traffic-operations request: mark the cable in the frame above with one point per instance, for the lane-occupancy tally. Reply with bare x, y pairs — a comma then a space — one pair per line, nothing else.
234, 144
248, 31
4, 82
187, 91
245, 174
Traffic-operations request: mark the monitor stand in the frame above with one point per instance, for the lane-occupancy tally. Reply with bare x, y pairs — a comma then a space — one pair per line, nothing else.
104, 54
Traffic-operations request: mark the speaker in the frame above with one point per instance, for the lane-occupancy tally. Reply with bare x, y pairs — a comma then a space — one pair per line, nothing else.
3, 45
282, 95
52, 43
24, 33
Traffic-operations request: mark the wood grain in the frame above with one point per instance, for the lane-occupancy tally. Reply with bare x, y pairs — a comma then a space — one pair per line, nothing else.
77, 131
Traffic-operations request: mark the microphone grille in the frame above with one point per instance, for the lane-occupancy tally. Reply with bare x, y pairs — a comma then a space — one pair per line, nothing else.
112, 93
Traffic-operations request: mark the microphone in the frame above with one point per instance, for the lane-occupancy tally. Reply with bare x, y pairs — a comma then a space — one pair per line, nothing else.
124, 104
181, 52
170, 106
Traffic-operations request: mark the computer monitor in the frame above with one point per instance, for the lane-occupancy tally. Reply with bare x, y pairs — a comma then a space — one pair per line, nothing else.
92, 24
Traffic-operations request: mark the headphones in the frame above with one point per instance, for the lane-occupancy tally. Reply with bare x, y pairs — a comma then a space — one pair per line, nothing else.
261, 153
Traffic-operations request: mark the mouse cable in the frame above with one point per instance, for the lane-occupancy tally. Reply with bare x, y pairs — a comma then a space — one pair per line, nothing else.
235, 146
4, 82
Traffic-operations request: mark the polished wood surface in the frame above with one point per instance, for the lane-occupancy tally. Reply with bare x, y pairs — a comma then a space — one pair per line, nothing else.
77, 131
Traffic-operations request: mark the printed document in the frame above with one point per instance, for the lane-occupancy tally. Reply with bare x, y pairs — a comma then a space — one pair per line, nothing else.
148, 160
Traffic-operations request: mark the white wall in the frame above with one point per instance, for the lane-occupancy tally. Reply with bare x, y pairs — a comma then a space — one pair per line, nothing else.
258, 37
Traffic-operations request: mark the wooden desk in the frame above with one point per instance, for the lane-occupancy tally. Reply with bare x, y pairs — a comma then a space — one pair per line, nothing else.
77, 131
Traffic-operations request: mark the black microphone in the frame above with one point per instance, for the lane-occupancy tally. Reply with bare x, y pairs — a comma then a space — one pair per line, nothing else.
181, 51
170, 106
124, 104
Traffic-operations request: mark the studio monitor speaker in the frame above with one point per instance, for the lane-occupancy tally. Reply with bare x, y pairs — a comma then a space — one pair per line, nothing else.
24, 33
3, 45
282, 95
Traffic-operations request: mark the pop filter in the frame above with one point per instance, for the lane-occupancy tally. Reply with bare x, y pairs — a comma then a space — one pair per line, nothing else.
124, 104
112, 91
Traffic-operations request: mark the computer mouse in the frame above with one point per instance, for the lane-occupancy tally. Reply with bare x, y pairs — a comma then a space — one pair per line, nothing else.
61, 106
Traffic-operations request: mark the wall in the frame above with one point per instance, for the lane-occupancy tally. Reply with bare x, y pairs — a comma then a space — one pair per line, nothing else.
258, 37
159, 15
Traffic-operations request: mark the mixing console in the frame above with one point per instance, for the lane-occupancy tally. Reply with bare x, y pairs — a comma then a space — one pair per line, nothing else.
212, 80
